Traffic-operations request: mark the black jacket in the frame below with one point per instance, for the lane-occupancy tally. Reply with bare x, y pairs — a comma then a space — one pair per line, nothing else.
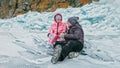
75, 32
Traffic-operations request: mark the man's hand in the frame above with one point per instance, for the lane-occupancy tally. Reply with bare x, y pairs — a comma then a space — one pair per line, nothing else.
62, 35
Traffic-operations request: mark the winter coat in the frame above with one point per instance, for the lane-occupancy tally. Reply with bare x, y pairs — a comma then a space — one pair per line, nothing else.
75, 32
56, 29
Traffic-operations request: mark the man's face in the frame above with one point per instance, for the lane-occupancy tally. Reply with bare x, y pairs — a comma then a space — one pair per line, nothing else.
69, 24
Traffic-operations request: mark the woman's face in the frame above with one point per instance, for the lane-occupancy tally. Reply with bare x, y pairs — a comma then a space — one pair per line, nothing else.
58, 20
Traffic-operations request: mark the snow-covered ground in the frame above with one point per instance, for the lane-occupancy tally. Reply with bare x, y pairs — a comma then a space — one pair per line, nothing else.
23, 39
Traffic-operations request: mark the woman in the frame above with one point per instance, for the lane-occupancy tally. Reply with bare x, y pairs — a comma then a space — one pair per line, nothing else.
74, 41
56, 29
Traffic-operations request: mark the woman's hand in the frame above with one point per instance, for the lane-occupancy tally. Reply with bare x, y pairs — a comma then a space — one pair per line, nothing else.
51, 36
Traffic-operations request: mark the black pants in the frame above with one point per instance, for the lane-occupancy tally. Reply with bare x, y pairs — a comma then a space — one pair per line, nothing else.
70, 46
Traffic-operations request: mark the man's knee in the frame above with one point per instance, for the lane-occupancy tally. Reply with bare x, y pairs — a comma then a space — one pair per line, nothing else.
75, 45
70, 42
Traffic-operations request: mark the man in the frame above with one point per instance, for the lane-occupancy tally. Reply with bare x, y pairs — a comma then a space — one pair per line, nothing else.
74, 41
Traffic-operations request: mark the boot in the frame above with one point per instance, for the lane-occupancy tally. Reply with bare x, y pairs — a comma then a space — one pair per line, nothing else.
73, 55
57, 53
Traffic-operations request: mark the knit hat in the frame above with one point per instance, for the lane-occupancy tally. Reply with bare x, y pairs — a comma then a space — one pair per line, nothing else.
73, 20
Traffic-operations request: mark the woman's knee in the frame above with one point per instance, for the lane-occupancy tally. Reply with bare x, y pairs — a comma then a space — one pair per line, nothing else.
58, 43
80, 47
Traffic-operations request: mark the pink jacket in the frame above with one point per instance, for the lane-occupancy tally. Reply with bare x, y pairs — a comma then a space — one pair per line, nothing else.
56, 29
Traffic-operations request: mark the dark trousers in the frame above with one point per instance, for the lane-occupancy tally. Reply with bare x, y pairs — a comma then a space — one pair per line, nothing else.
70, 46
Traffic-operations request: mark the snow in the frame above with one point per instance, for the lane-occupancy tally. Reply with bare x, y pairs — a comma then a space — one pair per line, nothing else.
23, 39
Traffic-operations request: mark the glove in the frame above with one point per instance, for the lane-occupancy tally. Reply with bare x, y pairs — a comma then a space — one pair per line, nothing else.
62, 35
51, 36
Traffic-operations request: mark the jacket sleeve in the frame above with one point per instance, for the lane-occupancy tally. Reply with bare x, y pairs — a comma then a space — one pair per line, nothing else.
63, 29
75, 36
51, 30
